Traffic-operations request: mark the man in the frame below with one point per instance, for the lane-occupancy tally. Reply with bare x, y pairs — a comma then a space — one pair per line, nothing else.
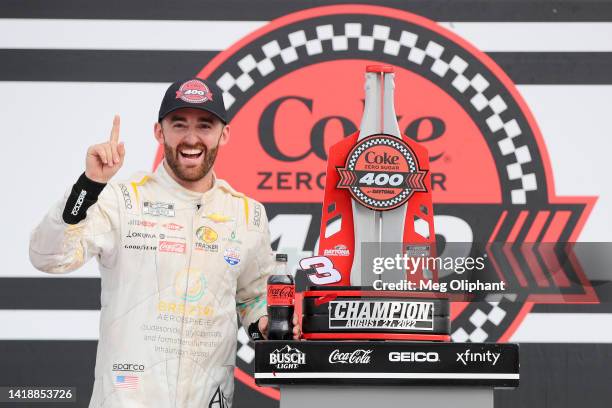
179, 252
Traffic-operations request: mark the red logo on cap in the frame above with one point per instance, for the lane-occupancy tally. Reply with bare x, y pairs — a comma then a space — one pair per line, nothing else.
194, 91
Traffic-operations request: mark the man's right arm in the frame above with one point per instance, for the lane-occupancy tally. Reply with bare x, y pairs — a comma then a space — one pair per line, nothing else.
85, 222
81, 225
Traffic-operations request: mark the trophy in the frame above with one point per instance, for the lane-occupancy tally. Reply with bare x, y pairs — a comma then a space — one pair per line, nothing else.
377, 205
377, 215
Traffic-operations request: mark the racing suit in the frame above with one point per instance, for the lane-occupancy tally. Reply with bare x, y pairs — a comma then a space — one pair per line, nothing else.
175, 266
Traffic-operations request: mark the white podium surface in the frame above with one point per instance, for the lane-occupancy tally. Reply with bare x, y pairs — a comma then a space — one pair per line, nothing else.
346, 396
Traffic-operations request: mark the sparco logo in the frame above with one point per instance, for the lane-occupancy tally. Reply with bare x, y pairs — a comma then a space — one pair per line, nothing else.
79, 203
126, 197
257, 215
128, 367
381, 314
287, 358
359, 356
484, 357
413, 357
488, 159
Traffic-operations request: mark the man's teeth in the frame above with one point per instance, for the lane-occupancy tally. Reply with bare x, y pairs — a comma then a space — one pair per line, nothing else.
191, 151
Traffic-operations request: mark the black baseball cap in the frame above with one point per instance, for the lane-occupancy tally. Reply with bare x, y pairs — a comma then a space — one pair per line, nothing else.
193, 93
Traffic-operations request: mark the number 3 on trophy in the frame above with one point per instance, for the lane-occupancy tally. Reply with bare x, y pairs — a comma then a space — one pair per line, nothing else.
324, 268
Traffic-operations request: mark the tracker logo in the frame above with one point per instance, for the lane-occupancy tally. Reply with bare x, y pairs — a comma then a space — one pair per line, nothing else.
414, 357
287, 358
470, 357
137, 368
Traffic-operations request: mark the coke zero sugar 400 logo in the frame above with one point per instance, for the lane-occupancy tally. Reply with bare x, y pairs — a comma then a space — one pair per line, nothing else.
382, 173
295, 87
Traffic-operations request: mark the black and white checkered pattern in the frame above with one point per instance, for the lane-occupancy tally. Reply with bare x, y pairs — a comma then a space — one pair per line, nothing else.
490, 313
245, 352
451, 66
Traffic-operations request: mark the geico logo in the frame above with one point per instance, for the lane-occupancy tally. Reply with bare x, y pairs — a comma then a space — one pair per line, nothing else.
128, 367
292, 358
79, 203
414, 356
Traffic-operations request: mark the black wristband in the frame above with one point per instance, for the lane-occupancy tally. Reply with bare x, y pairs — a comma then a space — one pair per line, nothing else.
254, 331
84, 194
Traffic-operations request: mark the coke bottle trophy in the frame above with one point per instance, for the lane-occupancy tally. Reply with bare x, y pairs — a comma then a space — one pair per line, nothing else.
377, 205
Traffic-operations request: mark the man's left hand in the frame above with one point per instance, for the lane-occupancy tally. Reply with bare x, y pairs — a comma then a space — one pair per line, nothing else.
262, 325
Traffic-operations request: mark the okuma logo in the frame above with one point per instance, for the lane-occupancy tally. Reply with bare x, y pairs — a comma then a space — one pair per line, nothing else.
295, 87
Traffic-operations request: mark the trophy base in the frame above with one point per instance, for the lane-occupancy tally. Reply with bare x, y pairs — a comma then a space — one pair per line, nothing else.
377, 336
362, 313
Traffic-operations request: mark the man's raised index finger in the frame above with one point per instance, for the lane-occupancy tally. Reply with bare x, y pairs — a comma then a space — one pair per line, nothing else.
114, 136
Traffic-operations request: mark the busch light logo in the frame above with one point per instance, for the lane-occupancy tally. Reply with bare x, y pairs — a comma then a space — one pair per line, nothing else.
358, 356
287, 358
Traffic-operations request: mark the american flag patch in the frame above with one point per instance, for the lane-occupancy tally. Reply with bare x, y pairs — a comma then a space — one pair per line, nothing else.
126, 381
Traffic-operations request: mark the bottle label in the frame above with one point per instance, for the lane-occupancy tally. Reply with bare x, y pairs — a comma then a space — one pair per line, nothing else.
280, 295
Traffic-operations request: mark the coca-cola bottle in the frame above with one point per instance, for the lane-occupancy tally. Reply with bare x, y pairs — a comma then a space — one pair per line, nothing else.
281, 290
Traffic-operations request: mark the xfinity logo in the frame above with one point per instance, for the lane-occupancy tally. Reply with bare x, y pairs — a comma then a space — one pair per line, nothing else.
413, 357
469, 357
287, 358
128, 367
79, 203
358, 356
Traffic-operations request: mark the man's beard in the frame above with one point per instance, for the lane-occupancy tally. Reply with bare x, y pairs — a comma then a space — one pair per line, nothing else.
191, 173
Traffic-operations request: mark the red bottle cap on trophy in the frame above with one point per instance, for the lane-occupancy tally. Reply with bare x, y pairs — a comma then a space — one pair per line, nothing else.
380, 68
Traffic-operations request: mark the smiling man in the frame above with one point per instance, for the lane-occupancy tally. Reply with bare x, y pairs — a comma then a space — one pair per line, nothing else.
179, 252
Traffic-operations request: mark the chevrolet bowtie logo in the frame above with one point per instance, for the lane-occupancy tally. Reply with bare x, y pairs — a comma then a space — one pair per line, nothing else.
216, 217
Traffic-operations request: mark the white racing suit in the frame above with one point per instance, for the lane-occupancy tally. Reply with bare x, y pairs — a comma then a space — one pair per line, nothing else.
173, 276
